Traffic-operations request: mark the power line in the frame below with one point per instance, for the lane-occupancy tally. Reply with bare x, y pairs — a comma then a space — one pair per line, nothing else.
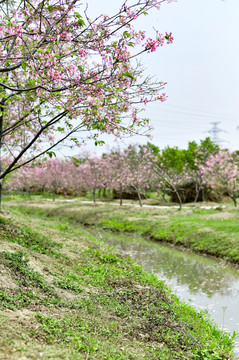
180, 110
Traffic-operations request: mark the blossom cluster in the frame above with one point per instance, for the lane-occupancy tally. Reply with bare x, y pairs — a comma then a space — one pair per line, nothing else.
61, 72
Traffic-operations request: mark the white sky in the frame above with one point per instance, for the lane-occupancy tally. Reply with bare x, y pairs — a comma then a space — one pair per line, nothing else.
201, 68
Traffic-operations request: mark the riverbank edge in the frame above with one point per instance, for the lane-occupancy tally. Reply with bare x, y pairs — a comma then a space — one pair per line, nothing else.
199, 240
186, 330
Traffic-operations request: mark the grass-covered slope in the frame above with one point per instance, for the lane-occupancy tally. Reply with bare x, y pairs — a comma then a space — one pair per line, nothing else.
66, 295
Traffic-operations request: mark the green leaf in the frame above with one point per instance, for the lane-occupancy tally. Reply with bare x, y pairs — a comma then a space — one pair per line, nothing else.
50, 8
77, 15
81, 22
128, 74
80, 19
32, 82
51, 153
99, 142
81, 68
76, 161
126, 33
76, 141
24, 65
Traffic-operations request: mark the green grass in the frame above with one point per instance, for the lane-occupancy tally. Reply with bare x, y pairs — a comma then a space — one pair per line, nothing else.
28, 238
90, 302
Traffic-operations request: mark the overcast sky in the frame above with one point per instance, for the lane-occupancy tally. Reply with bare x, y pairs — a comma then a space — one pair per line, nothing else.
201, 68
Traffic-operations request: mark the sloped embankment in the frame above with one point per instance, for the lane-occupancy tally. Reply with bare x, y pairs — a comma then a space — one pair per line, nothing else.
66, 295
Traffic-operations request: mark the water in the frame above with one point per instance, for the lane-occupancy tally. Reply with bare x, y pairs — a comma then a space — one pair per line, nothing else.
206, 283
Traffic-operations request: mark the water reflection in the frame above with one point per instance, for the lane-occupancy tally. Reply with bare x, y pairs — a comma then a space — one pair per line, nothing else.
199, 273
204, 282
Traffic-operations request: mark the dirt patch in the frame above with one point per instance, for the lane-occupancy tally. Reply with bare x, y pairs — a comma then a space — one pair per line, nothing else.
66, 295
222, 216
6, 280
6, 246
146, 303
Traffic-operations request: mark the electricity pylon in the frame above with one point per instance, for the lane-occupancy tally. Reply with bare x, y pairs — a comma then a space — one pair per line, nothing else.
215, 131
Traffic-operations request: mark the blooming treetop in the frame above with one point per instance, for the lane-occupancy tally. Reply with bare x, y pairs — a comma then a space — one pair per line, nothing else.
222, 168
62, 72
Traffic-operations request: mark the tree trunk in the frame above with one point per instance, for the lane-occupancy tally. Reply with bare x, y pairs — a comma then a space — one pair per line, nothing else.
163, 195
121, 196
232, 194
197, 192
197, 195
99, 192
1, 185
53, 194
1, 144
233, 197
140, 200
180, 201
178, 196
94, 195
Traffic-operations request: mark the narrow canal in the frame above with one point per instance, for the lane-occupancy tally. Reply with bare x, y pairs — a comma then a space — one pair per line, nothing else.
207, 284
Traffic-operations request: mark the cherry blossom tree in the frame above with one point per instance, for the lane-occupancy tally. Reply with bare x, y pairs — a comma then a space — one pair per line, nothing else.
105, 174
74, 180
29, 178
56, 175
63, 74
141, 175
93, 169
23, 180
119, 173
170, 180
222, 168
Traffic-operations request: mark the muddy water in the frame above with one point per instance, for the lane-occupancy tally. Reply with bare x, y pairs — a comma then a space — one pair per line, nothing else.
206, 283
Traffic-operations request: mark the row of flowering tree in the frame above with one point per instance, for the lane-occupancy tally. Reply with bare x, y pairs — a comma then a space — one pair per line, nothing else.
135, 168
119, 171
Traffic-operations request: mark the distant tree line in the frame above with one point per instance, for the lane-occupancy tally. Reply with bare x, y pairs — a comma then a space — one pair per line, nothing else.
187, 175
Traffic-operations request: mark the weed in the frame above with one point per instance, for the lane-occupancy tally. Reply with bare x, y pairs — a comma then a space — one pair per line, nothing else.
63, 227
68, 283
203, 354
30, 239
3, 220
104, 257
17, 262
20, 299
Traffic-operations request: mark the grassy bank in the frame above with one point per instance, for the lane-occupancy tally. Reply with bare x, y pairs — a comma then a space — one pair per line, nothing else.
66, 295
210, 231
